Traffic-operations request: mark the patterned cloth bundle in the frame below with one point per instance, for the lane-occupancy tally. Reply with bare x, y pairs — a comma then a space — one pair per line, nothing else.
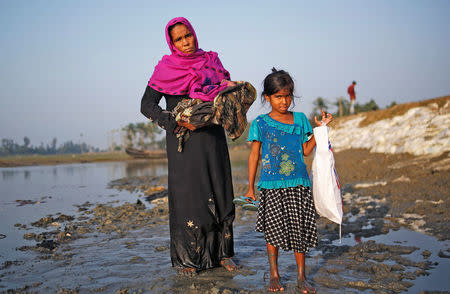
229, 109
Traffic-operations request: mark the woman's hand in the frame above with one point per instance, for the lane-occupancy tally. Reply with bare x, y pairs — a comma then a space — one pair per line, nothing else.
186, 125
326, 119
228, 83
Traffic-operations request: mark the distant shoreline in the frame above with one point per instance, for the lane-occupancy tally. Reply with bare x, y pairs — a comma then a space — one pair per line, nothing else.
30, 160
33, 160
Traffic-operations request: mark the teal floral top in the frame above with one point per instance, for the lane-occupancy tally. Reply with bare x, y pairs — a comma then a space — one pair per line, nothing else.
282, 164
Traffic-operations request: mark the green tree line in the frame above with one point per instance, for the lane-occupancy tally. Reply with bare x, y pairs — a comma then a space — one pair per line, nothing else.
10, 147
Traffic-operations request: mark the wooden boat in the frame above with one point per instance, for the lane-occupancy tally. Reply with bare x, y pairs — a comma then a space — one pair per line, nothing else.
139, 153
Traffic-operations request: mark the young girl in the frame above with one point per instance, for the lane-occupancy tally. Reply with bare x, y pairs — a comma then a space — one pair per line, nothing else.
286, 213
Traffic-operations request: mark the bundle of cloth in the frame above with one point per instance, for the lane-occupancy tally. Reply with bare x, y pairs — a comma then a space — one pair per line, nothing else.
228, 109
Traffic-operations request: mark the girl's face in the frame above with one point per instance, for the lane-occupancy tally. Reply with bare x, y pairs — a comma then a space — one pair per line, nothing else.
280, 101
183, 39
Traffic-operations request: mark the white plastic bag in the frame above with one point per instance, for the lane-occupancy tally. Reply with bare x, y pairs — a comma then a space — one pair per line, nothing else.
325, 182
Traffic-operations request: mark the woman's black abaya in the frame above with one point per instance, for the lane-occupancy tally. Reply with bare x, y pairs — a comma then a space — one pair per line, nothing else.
200, 189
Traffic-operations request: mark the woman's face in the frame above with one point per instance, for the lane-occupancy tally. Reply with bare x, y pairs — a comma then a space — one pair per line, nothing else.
183, 39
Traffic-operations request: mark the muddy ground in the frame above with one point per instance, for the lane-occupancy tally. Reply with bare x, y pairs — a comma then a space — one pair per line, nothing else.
123, 248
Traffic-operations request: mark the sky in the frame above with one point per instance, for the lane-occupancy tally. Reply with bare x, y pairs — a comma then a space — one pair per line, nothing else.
76, 70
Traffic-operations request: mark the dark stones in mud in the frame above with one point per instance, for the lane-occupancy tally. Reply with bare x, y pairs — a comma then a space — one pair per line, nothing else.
426, 253
128, 291
83, 207
41, 236
28, 202
9, 263
442, 254
125, 217
395, 287
70, 232
43, 222
24, 289
157, 195
371, 246
49, 245
161, 248
46, 246
48, 241
144, 184
354, 210
139, 204
102, 218
137, 259
67, 291
330, 251
49, 220
367, 262
21, 226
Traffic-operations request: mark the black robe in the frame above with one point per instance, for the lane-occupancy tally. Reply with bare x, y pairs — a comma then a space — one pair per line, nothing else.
200, 189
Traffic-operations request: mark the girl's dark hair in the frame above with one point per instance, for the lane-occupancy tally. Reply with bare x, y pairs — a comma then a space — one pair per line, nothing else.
276, 81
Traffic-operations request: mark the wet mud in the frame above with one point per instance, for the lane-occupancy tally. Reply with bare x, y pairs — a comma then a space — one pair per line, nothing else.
124, 247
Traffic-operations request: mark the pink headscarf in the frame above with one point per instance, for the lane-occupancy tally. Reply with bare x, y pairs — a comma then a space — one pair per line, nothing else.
198, 74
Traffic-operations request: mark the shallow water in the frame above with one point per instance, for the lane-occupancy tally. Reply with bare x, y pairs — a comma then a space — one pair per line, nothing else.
106, 263
57, 189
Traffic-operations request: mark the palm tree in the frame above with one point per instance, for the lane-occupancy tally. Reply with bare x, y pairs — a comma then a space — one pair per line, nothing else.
142, 131
130, 134
319, 104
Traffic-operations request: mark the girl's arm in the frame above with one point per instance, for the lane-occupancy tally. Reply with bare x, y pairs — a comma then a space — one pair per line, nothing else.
253, 159
309, 145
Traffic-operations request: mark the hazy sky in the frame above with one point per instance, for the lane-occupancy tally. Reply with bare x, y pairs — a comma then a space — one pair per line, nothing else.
80, 67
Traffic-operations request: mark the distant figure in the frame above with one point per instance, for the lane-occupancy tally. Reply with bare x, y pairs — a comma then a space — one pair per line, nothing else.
351, 93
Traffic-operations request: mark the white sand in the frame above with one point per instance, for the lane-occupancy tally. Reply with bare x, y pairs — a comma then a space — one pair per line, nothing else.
420, 131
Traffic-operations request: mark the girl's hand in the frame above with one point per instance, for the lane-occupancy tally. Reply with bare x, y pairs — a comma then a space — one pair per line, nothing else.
250, 194
186, 125
326, 119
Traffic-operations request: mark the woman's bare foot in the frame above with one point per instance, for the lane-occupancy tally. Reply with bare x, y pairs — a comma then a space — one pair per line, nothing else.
275, 285
305, 287
187, 271
229, 264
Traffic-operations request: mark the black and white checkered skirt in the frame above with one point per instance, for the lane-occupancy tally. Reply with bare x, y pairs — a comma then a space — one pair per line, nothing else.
287, 217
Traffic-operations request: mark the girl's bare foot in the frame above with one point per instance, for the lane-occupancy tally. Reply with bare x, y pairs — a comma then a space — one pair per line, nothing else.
275, 285
187, 271
229, 264
305, 287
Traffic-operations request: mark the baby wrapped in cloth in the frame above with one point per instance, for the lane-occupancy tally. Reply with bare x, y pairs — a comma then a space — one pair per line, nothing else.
228, 109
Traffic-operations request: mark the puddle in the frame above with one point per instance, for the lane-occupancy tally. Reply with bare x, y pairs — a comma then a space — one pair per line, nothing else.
437, 280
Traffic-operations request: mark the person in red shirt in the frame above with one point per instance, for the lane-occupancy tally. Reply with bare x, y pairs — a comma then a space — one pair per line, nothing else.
351, 93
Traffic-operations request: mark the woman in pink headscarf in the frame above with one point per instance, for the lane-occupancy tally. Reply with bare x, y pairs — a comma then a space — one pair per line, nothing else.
200, 187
